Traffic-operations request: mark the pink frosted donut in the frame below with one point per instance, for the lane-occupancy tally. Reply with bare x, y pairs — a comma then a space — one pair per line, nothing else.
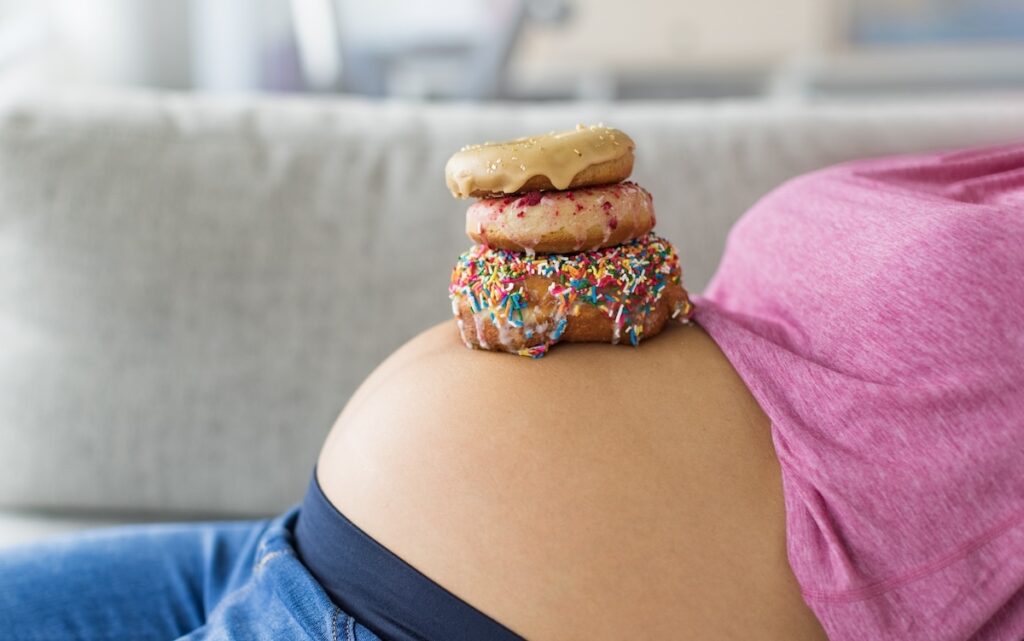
562, 222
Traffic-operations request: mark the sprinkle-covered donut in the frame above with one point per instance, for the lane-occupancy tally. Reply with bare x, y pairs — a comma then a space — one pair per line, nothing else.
562, 222
581, 157
511, 302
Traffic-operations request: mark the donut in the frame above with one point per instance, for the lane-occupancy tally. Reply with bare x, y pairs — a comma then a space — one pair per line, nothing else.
562, 222
581, 157
508, 301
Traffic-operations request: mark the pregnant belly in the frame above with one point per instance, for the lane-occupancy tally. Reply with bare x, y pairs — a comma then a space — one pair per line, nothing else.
599, 493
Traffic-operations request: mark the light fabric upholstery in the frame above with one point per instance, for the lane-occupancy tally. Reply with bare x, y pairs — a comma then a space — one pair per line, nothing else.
190, 288
21, 526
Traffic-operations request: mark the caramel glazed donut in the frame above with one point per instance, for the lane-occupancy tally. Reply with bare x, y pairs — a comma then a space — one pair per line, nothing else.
564, 247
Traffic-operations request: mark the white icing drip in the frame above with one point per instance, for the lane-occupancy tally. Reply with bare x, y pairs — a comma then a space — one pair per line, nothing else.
462, 333
458, 321
554, 328
504, 335
617, 326
479, 325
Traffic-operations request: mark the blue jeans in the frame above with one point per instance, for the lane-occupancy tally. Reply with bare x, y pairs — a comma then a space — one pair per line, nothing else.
220, 581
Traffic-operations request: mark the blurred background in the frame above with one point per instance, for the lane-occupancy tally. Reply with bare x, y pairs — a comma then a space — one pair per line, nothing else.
522, 49
218, 216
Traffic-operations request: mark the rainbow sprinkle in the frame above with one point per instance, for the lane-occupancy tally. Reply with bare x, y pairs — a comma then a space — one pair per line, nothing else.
624, 282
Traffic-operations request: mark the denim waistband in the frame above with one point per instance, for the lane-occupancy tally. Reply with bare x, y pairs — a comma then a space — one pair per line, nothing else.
383, 592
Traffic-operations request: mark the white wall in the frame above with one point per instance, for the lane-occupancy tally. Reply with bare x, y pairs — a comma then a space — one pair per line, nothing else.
624, 35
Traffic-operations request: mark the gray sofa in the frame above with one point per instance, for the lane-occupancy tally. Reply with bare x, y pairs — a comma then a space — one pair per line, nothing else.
190, 288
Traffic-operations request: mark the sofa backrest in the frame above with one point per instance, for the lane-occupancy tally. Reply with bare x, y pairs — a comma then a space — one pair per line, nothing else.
190, 288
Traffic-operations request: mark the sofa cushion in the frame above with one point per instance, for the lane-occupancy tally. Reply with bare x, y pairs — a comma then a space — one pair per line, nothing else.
191, 287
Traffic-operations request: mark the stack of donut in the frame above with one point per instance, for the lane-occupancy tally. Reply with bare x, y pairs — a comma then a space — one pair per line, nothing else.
564, 249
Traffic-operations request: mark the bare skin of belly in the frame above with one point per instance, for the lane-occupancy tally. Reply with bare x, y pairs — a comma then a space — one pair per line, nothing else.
598, 493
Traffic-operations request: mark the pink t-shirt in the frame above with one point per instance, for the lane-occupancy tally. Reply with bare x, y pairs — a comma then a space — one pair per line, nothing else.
876, 311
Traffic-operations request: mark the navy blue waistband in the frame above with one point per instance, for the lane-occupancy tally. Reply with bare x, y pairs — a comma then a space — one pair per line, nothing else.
380, 590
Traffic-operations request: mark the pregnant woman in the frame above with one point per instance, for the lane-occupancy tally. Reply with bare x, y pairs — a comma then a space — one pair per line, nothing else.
835, 449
